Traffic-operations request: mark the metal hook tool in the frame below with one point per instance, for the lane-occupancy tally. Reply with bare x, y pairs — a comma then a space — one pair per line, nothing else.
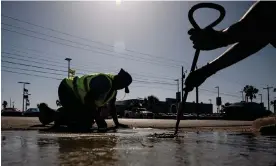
192, 20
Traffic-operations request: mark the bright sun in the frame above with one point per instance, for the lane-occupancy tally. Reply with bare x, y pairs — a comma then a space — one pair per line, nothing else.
118, 2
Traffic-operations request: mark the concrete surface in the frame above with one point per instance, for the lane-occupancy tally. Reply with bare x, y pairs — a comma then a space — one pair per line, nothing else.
32, 123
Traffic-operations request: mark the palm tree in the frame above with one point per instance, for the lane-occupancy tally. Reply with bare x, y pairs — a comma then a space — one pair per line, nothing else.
250, 92
5, 103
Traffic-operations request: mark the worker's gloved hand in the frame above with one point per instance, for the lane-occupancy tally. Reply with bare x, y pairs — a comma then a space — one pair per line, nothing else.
197, 77
207, 39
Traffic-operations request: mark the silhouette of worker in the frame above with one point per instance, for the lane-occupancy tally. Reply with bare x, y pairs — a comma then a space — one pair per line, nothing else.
255, 30
81, 98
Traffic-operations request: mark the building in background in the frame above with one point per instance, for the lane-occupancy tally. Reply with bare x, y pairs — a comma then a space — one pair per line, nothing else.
167, 106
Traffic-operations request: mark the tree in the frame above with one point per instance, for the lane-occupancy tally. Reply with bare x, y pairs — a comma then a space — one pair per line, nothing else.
5, 103
145, 102
152, 100
250, 92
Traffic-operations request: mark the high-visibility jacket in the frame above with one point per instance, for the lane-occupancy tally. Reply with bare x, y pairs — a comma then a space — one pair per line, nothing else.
80, 86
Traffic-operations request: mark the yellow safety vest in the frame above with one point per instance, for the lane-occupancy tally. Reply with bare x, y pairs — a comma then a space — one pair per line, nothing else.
80, 86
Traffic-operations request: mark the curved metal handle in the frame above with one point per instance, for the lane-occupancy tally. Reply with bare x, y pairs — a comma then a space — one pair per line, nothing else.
206, 5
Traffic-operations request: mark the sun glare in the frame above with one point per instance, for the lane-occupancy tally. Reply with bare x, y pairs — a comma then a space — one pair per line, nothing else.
118, 2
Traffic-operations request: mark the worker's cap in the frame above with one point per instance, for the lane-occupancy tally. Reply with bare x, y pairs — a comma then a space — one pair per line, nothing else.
127, 79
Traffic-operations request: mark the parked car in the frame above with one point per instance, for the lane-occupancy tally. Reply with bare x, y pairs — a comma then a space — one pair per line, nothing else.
31, 112
138, 113
146, 115
244, 111
11, 112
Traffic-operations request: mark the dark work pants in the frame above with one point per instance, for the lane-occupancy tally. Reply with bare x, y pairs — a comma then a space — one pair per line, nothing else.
73, 113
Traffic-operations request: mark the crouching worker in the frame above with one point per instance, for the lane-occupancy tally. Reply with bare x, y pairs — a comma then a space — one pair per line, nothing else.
81, 98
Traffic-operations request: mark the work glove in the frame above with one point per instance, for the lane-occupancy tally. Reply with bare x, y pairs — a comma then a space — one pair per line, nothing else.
197, 77
207, 39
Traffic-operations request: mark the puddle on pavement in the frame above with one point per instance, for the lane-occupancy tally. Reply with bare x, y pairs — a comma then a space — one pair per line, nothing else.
135, 147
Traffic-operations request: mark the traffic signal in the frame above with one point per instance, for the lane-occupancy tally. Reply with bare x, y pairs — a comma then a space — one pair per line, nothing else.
26, 97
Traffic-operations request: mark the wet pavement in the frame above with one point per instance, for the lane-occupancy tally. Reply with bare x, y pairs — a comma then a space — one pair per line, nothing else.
136, 147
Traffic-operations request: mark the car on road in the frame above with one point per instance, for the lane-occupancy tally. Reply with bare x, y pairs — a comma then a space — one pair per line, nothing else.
31, 112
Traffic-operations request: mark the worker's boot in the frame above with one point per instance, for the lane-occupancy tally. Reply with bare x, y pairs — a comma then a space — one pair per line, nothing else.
46, 114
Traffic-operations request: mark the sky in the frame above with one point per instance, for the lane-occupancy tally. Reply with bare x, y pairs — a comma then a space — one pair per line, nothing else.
147, 39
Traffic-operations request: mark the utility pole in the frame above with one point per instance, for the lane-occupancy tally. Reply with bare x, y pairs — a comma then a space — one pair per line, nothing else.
24, 83
10, 102
268, 88
68, 59
261, 98
218, 101
177, 80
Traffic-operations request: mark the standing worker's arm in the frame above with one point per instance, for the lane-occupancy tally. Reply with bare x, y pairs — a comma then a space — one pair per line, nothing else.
258, 24
253, 32
113, 112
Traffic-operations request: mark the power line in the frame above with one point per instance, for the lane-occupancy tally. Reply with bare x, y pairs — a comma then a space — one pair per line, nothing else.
30, 61
134, 80
30, 74
64, 33
226, 94
33, 70
20, 55
75, 42
137, 81
141, 81
113, 67
32, 66
68, 45
39, 62
153, 88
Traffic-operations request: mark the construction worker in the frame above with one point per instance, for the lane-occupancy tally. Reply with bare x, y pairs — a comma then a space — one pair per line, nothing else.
81, 98
255, 30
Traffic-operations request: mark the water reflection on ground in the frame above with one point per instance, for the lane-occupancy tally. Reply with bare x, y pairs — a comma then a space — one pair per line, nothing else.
135, 147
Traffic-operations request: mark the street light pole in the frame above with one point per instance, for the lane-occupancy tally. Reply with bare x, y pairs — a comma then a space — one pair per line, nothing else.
68, 59
218, 90
24, 83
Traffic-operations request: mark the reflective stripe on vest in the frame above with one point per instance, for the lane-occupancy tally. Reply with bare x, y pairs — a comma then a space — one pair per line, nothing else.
80, 86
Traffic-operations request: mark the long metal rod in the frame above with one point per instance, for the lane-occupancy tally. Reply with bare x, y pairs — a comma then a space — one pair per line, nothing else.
180, 111
192, 21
